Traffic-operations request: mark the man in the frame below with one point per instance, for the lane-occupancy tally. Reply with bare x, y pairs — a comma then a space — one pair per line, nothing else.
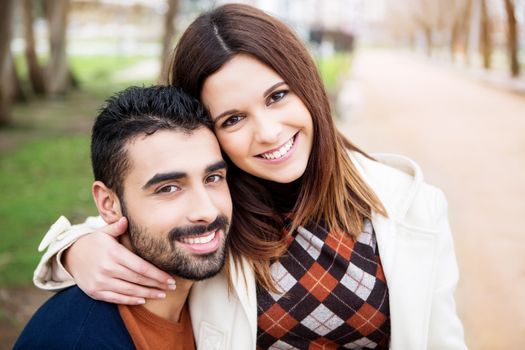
157, 163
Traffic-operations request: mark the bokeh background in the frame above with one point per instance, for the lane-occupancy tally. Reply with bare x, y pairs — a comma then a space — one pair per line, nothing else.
441, 81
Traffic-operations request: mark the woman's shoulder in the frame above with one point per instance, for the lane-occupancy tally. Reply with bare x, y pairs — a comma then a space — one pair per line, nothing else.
398, 182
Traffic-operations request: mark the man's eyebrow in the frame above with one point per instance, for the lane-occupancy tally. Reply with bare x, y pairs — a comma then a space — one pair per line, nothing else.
221, 164
157, 178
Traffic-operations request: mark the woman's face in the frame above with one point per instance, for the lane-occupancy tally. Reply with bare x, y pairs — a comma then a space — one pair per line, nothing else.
263, 127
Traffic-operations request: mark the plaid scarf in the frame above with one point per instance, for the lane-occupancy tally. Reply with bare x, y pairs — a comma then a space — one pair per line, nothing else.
334, 294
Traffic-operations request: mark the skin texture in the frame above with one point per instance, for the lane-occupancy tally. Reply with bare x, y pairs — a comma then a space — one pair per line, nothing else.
173, 172
170, 196
255, 112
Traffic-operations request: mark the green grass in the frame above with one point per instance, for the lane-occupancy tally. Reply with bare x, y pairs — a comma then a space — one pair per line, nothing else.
45, 170
40, 181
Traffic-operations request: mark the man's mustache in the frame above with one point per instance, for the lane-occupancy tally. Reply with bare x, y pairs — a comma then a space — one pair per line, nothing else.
221, 222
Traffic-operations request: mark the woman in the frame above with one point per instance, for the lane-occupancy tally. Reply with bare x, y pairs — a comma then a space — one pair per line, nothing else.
328, 248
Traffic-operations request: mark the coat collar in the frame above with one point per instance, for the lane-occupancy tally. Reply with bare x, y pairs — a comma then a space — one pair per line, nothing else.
395, 179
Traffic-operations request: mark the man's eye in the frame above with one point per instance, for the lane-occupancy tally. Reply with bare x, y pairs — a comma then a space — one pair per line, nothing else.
214, 178
168, 189
232, 120
276, 96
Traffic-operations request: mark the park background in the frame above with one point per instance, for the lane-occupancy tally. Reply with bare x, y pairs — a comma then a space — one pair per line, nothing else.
441, 81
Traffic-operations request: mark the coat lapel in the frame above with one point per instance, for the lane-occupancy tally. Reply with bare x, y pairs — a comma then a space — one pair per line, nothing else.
407, 252
244, 284
411, 272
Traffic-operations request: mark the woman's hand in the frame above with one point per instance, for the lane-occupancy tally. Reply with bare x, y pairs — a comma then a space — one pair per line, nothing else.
106, 270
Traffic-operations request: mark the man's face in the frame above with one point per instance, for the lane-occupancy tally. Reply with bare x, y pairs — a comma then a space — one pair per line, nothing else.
177, 202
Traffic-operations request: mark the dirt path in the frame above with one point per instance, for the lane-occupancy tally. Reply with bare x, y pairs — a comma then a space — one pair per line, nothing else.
469, 139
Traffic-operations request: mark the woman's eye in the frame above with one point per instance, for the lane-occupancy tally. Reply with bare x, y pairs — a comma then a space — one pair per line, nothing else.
214, 178
168, 189
276, 96
232, 120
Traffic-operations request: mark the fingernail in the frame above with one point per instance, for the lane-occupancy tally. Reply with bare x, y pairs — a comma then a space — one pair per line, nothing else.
171, 281
172, 286
141, 301
161, 295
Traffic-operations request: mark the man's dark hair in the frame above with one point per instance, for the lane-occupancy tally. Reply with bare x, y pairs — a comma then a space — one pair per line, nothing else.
138, 111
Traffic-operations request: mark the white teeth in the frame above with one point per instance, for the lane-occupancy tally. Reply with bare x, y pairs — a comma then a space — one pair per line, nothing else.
280, 152
198, 240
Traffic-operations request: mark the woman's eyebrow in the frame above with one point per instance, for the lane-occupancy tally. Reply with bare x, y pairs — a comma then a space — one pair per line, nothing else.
266, 92
273, 87
230, 111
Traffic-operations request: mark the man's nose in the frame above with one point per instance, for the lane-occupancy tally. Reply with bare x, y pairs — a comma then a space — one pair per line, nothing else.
202, 208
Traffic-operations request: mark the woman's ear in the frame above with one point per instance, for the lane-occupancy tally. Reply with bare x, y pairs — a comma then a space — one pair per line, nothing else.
107, 202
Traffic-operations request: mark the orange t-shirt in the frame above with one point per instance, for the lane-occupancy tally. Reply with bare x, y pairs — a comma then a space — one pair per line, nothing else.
151, 332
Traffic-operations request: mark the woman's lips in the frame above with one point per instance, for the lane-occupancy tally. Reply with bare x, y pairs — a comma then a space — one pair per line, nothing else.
280, 152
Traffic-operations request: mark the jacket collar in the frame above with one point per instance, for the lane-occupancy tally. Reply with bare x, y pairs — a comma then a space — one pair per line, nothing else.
395, 180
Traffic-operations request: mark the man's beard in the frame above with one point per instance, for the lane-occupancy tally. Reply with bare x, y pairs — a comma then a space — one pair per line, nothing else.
163, 252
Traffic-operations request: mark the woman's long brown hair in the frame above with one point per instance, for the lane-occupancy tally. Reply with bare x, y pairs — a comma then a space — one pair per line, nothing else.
332, 191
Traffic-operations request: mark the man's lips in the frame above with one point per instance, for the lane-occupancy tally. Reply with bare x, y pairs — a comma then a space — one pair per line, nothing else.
201, 244
198, 239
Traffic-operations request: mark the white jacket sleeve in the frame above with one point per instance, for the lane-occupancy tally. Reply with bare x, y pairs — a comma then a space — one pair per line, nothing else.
446, 330
50, 274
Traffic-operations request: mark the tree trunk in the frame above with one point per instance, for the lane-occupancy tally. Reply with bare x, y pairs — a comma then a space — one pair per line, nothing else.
167, 44
512, 38
466, 22
454, 38
485, 37
36, 74
429, 41
15, 85
58, 75
6, 17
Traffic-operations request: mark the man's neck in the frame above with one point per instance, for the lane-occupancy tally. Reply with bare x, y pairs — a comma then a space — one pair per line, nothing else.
170, 308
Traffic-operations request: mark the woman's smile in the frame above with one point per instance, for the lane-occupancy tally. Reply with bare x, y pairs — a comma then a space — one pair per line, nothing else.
281, 153
263, 126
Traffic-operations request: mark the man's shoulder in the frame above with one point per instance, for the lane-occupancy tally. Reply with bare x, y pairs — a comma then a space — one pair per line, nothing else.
72, 320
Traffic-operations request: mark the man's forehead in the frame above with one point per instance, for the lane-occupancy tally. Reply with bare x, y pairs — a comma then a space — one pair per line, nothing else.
174, 150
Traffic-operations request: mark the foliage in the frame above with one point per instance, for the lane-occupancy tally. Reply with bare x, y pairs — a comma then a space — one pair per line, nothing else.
333, 69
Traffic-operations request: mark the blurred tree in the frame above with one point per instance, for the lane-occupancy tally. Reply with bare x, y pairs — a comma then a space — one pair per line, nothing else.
36, 74
425, 15
460, 29
59, 78
167, 44
6, 74
512, 38
466, 19
485, 38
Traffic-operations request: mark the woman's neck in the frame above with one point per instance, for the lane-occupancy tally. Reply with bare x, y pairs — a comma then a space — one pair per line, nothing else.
284, 195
